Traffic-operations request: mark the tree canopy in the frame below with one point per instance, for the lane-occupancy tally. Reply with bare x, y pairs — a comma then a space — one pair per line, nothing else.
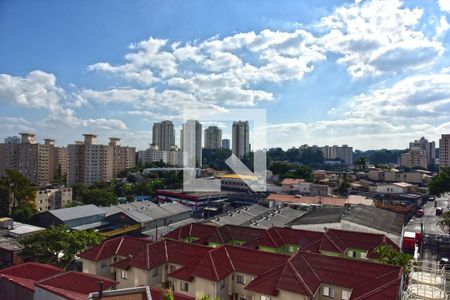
388, 255
58, 245
17, 195
444, 221
440, 184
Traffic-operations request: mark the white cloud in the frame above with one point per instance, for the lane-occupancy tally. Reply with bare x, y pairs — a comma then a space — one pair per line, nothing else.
373, 37
444, 5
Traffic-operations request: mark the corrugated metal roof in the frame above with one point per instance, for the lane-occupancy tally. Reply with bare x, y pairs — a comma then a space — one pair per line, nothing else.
70, 213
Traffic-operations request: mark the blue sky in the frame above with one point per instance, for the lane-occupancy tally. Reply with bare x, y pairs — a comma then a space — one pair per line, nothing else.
371, 74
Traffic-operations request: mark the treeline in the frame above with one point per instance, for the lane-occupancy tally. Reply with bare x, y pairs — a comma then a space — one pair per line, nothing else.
383, 156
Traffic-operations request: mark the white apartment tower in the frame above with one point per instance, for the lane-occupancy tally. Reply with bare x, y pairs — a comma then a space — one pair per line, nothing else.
163, 135
191, 143
240, 138
344, 153
213, 137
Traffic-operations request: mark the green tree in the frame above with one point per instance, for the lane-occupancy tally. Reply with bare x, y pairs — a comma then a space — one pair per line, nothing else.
58, 245
99, 197
361, 164
15, 190
440, 184
388, 255
208, 297
280, 167
168, 295
444, 221
24, 211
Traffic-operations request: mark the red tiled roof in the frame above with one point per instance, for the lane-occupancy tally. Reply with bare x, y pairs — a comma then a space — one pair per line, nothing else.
123, 246
339, 240
201, 231
158, 294
304, 273
293, 199
276, 237
74, 285
289, 181
27, 274
227, 233
153, 255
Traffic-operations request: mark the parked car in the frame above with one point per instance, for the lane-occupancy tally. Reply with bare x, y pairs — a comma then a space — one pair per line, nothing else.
439, 211
420, 213
444, 263
431, 198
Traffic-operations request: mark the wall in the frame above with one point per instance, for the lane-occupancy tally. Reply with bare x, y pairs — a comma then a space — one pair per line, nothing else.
42, 294
136, 277
12, 291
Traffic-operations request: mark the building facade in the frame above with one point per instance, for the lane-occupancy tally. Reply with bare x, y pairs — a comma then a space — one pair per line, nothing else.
52, 198
191, 143
344, 153
213, 137
163, 135
124, 157
428, 147
415, 158
240, 138
226, 144
444, 151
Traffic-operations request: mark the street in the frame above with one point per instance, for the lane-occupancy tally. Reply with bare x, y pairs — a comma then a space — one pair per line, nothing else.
429, 219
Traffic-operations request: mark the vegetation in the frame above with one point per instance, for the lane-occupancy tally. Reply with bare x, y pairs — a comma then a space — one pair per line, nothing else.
306, 156
382, 156
361, 164
215, 158
444, 221
440, 184
388, 255
17, 196
168, 295
289, 170
58, 245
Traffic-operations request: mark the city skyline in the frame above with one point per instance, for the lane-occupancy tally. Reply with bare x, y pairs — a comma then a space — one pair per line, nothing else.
327, 73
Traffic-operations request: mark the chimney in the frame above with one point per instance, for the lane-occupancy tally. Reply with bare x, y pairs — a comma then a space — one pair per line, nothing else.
100, 290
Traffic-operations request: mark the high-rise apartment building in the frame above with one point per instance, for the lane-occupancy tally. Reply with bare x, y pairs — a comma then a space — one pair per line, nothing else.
35, 161
191, 142
415, 158
344, 153
240, 138
428, 147
153, 154
124, 157
62, 161
12, 140
213, 137
444, 151
163, 135
226, 144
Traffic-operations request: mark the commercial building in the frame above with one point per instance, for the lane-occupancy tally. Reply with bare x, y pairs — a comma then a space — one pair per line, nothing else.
226, 144
343, 153
240, 137
230, 272
213, 137
163, 135
90, 162
444, 151
52, 198
37, 162
428, 147
191, 143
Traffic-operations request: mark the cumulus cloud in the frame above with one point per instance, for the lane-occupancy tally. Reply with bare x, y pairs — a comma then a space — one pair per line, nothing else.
444, 5
373, 37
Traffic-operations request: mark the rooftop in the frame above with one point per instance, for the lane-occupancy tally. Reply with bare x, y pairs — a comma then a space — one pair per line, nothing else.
289, 181
71, 213
27, 274
307, 200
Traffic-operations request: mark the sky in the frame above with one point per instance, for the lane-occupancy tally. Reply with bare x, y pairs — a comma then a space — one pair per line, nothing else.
370, 74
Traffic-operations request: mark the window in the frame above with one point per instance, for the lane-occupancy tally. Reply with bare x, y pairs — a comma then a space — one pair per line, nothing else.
123, 274
155, 272
240, 279
184, 286
328, 291
345, 295
265, 297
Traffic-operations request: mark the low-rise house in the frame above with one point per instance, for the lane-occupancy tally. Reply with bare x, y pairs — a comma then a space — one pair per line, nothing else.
394, 188
305, 201
360, 218
295, 186
320, 190
52, 198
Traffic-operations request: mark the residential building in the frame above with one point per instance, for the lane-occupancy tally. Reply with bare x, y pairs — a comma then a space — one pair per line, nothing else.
78, 217
343, 153
35, 161
319, 189
444, 151
213, 137
227, 271
124, 157
52, 198
173, 157
428, 147
240, 137
394, 188
305, 201
163, 135
295, 186
414, 158
191, 143
12, 140
62, 162
226, 144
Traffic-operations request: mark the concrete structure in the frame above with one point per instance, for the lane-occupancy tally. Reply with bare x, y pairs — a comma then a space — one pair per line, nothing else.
394, 188
37, 162
52, 198
213, 137
62, 162
124, 157
305, 201
226, 144
444, 151
90, 162
191, 143
344, 153
428, 147
163, 135
153, 154
415, 158
12, 140
295, 186
319, 189
240, 138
